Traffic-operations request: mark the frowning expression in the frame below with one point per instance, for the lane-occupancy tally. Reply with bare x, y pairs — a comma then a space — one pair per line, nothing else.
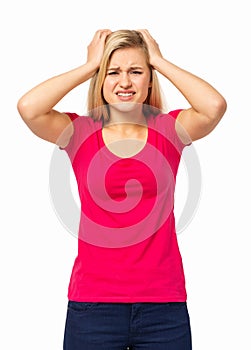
127, 77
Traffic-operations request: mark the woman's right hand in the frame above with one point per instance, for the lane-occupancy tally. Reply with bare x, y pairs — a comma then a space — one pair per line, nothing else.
36, 107
96, 47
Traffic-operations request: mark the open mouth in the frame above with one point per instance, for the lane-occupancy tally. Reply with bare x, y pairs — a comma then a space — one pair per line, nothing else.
125, 94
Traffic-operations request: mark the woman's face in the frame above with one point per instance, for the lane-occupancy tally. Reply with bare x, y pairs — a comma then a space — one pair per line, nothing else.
127, 77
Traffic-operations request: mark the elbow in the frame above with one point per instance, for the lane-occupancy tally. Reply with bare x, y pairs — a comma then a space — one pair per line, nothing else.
219, 108
24, 109
214, 113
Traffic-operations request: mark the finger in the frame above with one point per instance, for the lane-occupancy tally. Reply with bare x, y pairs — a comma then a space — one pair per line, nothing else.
105, 33
147, 36
102, 33
144, 32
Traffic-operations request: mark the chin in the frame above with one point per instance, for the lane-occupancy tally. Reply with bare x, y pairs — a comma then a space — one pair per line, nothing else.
126, 107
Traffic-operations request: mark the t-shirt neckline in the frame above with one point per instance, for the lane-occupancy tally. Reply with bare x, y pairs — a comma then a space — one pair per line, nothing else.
111, 154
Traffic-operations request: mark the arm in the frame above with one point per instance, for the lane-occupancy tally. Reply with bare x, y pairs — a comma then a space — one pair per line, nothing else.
36, 106
207, 104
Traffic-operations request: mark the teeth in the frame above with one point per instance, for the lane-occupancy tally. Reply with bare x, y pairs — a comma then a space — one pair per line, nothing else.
125, 94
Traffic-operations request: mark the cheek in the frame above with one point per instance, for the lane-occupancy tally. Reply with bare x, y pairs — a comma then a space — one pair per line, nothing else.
143, 82
107, 86
144, 85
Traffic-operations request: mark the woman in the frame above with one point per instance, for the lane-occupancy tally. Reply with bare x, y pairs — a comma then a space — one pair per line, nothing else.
127, 289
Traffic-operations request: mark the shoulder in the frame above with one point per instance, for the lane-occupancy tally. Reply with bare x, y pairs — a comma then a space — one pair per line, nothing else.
175, 113
83, 127
166, 121
168, 124
83, 120
83, 124
170, 116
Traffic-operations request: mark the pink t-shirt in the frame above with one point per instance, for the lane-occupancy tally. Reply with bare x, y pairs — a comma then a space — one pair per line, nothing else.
127, 243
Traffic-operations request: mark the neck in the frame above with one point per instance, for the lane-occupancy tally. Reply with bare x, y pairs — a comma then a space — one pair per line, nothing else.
126, 113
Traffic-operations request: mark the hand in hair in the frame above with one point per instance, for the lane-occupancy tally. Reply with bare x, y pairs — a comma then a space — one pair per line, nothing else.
153, 47
96, 47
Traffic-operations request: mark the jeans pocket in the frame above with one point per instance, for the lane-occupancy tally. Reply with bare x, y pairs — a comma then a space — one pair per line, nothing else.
176, 305
78, 306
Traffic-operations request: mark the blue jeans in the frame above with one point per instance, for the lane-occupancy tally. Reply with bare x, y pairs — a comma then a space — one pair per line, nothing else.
124, 326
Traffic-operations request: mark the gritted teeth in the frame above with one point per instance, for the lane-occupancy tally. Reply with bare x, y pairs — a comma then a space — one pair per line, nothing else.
125, 94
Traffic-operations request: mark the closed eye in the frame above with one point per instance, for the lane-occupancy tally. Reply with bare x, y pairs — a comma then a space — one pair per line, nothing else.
112, 73
136, 72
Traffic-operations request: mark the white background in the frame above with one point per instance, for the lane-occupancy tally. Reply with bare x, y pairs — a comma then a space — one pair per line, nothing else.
42, 39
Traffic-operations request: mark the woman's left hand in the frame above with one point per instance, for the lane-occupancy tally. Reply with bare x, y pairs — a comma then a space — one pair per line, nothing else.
153, 47
207, 104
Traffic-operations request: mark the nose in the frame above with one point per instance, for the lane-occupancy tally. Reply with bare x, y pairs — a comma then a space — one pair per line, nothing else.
125, 81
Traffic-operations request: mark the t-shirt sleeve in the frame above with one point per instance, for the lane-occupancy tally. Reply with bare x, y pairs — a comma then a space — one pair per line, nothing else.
175, 114
73, 117
84, 127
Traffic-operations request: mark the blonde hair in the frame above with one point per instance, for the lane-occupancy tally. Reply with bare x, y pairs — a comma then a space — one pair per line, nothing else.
121, 39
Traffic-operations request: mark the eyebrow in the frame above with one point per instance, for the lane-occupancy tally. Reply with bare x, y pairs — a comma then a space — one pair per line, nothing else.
131, 68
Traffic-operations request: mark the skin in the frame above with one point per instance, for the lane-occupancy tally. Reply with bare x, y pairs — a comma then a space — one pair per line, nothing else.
127, 74
207, 104
126, 84
36, 107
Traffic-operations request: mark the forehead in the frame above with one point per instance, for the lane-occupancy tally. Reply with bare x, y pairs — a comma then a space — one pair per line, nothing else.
128, 56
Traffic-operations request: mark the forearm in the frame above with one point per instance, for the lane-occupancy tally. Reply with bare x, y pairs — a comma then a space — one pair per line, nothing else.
202, 97
42, 98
